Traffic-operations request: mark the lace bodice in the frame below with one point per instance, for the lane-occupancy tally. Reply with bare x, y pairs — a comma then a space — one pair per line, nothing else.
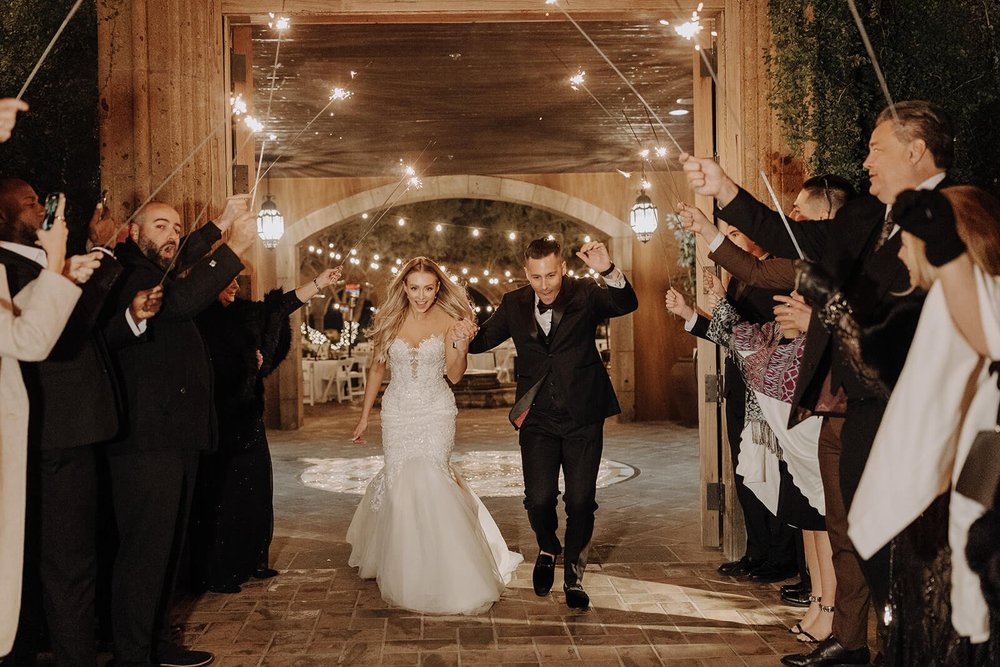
418, 409
420, 365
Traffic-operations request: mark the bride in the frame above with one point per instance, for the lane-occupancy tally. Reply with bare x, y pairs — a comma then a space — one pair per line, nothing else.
420, 531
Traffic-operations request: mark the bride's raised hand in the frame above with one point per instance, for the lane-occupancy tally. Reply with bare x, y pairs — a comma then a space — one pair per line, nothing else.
461, 333
358, 437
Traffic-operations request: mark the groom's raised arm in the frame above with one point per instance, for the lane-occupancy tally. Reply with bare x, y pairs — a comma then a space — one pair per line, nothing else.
494, 330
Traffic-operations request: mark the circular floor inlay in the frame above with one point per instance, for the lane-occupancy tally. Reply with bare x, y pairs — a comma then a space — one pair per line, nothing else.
489, 473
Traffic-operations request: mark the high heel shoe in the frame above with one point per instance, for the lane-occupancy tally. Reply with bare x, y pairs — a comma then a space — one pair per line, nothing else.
809, 638
797, 628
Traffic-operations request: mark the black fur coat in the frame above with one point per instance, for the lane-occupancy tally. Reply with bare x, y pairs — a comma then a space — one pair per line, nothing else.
233, 335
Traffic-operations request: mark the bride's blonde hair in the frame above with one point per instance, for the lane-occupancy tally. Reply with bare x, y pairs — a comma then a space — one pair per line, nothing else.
452, 298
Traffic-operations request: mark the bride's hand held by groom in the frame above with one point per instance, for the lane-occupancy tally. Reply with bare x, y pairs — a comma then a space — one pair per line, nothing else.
461, 333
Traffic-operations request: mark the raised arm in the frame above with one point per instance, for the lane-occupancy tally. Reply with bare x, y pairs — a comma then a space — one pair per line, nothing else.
494, 330
456, 353
757, 221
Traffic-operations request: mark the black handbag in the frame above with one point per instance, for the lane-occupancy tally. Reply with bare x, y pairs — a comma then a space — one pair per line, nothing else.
981, 472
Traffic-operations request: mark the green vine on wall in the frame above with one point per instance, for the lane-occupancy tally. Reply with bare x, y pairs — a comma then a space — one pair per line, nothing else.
827, 97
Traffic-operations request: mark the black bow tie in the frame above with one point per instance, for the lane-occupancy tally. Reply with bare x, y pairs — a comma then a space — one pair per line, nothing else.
542, 307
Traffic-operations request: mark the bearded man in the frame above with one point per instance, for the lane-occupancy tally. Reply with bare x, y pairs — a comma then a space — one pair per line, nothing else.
167, 388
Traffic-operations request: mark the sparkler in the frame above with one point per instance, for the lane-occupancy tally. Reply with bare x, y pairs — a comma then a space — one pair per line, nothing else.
48, 49
616, 70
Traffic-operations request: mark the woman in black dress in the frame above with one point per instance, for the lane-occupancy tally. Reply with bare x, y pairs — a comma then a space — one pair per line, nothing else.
234, 513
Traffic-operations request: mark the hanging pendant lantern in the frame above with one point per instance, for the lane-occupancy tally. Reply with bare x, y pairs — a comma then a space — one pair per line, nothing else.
642, 217
270, 222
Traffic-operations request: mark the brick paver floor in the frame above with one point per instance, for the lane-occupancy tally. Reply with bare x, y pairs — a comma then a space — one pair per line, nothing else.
656, 597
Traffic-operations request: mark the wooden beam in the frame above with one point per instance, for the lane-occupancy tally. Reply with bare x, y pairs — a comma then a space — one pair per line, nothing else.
442, 11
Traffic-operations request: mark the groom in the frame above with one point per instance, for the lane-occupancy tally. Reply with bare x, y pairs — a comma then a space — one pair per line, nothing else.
563, 396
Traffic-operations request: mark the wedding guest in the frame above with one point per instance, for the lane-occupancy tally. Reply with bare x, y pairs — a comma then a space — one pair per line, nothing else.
61, 506
910, 147
234, 507
166, 387
951, 246
30, 323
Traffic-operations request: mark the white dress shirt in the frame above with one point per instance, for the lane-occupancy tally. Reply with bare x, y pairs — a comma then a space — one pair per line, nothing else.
615, 280
929, 184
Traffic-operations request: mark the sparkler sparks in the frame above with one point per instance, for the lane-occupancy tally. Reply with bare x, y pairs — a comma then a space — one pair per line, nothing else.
238, 104
577, 79
278, 22
339, 93
661, 151
253, 124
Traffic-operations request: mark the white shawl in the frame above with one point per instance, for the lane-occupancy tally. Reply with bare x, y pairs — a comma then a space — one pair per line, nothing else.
923, 440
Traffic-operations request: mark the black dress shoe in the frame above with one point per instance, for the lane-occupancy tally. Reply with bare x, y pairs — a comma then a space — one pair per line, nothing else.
264, 573
739, 568
173, 655
576, 597
768, 573
544, 574
796, 599
828, 652
798, 587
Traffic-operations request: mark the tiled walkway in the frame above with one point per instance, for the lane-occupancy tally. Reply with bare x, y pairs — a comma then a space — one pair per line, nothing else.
656, 598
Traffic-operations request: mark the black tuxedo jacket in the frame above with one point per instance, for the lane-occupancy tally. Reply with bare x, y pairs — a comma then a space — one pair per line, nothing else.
166, 376
845, 246
73, 394
570, 355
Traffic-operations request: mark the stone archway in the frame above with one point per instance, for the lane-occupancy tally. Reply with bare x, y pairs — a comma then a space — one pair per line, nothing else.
468, 187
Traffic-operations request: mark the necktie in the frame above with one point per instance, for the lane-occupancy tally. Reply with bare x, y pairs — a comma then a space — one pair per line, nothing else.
542, 307
887, 227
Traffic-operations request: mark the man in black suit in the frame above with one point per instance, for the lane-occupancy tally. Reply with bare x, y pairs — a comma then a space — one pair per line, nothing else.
563, 396
167, 390
74, 406
771, 553
910, 148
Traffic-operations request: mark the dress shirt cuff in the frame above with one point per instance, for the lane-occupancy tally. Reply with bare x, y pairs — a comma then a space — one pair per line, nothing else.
689, 323
616, 279
716, 242
137, 329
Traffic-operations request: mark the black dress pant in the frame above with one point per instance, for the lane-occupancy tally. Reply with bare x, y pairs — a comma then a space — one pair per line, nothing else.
768, 539
60, 565
550, 440
152, 493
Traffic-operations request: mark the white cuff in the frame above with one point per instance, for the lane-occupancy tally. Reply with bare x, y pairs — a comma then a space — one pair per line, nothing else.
689, 324
137, 329
716, 242
616, 279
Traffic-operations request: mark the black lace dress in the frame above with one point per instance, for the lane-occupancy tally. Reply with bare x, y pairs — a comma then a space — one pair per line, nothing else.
918, 627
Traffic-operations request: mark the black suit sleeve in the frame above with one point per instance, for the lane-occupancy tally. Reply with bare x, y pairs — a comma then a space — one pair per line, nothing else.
700, 328
614, 301
494, 330
197, 244
185, 297
766, 229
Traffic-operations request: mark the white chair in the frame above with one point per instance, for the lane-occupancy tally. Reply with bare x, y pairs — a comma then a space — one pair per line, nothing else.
341, 380
307, 382
359, 372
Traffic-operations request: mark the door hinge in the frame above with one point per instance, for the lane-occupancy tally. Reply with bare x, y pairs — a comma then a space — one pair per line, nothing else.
713, 388
715, 496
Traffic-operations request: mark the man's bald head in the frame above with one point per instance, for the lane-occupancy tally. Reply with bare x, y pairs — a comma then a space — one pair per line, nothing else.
21, 212
157, 231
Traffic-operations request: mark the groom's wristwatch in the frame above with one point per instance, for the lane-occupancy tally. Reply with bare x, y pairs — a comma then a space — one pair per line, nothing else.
607, 272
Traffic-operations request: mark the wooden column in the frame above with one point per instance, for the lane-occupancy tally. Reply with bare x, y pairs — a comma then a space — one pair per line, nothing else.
162, 91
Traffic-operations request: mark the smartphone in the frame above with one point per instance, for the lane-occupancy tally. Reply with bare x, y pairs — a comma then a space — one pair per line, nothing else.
51, 204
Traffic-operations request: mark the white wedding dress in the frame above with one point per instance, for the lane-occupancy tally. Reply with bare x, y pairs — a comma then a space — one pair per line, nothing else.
420, 531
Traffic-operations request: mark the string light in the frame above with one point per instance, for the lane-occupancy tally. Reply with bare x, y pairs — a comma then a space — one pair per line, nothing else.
586, 239
439, 227
475, 232
401, 222
512, 236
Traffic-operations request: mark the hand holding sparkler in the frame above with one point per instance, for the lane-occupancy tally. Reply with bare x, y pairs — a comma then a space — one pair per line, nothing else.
675, 304
146, 303
244, 232
235, 207
79, 268
693, 220
707, 178
8, 116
